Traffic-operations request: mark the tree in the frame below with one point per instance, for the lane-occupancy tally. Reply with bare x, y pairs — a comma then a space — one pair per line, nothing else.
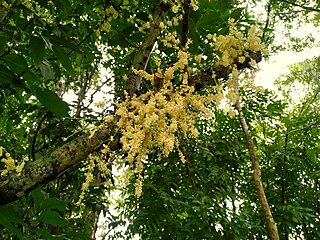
161, 55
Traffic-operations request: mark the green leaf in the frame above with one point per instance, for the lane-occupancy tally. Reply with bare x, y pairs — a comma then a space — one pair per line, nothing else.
37, 47
52, 218
118, 39
236, 13
52, 102
44, 233
31, 78
5, 37
55, 40
11, 228
47, 71
6, 75
63, 5
16, 63
63, 58
9, 216
54, 203
206, 4
223, 6
209, 19
37, 197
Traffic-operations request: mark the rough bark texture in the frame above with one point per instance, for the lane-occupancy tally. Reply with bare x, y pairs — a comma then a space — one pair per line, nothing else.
185, 23
41, 171
221, 72
271, 225
142, 55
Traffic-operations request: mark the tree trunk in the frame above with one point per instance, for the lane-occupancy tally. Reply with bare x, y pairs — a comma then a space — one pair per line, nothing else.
271, 225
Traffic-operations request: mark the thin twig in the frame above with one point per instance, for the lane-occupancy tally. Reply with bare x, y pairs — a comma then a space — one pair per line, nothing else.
35, 136
267, 20
301, 6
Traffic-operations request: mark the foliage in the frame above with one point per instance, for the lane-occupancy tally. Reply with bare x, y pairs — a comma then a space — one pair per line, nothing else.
51, 50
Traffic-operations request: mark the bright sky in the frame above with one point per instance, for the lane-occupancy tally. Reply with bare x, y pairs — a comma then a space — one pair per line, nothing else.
278, 65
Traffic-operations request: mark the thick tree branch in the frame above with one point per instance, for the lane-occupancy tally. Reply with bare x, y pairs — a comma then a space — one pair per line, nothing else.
271, 225
41, 171
142, 55
220, 72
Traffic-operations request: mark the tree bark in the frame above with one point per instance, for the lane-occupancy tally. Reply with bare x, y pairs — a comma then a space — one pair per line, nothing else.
271, 225
36, 173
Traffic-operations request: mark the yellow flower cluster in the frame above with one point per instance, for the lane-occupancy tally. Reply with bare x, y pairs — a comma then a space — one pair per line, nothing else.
152, 121
10, 163
94, 161
111, 12
195, 5
100, 104
170, 40
89, 178
235, 47
106, 26
35, 9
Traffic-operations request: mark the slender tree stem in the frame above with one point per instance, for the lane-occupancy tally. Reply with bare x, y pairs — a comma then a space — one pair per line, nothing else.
271, 225
185, 23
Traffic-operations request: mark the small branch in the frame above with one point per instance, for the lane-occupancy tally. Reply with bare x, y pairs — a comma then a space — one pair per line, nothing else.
81, 42
84, 80
89, 34
307, 105
271, 225
185, 23
301, 6
7, 18
283, 182
267, 20
83, 85
35, 137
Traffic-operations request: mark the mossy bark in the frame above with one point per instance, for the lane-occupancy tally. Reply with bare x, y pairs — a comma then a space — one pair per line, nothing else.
41, 171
